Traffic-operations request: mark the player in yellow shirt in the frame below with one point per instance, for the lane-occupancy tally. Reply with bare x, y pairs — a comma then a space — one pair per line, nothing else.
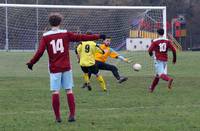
102, 58
86, 54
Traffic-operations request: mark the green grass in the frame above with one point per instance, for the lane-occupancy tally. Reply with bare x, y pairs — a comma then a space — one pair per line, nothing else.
25, 99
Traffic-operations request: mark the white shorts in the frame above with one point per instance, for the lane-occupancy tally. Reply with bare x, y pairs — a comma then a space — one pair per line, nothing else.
61, 80
160, 67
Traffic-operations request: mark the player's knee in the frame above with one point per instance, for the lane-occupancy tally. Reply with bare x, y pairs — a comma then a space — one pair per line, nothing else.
69, 91
157, 75
114, 69
55, 92
97, 74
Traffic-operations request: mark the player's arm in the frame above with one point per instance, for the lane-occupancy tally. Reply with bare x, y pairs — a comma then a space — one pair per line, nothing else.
38, 54
99, 50
123, 58
114, 54
84, 37
173, 52
77, 51
151, 48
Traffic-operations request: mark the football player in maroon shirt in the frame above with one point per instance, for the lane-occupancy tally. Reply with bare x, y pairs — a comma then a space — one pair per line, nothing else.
158, 50
56, 42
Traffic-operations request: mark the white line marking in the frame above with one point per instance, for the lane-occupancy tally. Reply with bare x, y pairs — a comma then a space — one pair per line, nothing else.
103, 109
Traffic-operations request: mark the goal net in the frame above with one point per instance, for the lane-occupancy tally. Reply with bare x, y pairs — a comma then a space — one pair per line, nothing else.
22, 26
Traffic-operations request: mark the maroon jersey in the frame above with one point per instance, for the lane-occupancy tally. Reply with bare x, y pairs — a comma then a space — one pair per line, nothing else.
160, 47
57, 44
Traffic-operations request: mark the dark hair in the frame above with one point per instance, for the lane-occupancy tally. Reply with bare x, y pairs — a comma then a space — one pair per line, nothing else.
108, 37
55, 19
160, 31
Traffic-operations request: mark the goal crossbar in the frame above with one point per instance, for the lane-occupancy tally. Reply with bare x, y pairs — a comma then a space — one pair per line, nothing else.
82, 6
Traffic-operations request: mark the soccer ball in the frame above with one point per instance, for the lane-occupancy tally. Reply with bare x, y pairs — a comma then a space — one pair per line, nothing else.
137, 67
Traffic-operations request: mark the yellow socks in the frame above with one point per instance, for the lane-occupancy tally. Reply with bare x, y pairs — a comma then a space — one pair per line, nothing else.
102, 82
99, 78
86, 78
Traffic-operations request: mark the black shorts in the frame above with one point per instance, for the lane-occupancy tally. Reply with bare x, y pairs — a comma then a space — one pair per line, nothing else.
90, 69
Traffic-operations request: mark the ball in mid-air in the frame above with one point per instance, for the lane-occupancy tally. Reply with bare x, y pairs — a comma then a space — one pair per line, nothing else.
137, 67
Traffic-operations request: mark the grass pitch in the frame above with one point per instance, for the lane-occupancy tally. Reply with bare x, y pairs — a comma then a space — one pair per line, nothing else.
25, 99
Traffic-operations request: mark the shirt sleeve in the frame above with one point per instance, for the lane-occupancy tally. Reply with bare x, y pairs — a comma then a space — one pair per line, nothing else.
151, 48
113, 53
79, 48
82, 37
98, 49
40, 51
76, 48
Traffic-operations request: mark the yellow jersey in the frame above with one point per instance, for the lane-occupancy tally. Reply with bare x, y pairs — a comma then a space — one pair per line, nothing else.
86, 51
108, 52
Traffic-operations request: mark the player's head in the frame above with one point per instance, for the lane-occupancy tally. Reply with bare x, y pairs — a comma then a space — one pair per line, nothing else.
107, 41
160, 31
55, 19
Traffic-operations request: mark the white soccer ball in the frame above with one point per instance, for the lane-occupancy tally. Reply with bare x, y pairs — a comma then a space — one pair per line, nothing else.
137, 67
